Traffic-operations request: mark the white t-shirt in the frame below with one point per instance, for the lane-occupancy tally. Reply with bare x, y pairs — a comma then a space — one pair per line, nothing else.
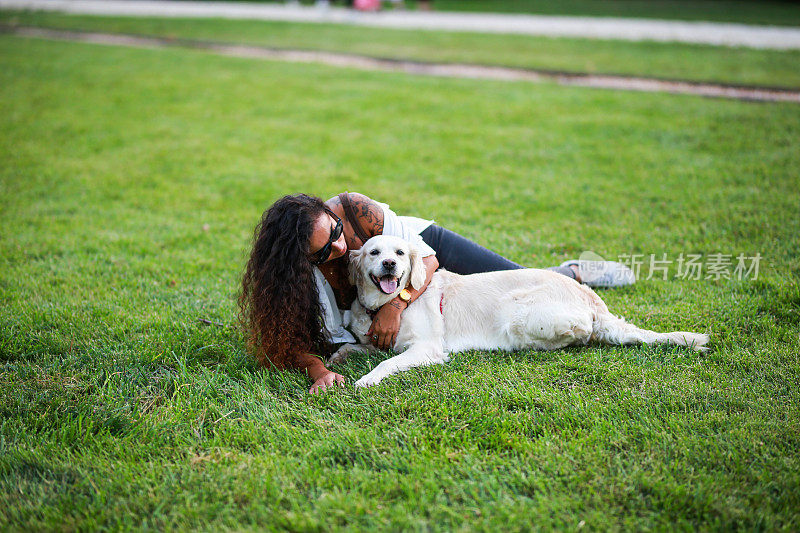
407, 228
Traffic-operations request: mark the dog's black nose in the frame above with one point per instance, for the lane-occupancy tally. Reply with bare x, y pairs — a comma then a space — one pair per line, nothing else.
389, 264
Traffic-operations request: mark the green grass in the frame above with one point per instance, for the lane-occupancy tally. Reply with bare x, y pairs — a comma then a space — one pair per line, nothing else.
118, 409
782, 13
743, 11
674, 61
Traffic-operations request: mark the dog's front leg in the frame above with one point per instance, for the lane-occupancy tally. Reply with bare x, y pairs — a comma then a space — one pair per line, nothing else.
416, 355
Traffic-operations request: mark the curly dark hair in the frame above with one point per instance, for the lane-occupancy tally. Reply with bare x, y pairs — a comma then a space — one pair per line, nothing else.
279, 306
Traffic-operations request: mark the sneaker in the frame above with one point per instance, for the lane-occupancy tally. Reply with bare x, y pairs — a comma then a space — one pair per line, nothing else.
594, 271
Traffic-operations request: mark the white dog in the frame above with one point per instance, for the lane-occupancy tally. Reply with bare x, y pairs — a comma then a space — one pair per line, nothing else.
507, 310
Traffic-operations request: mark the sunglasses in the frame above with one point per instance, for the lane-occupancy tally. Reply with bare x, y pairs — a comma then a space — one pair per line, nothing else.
322, 255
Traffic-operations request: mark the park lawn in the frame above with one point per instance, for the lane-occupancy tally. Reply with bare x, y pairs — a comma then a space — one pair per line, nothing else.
131, 181
740, 11
746, 66
769, 12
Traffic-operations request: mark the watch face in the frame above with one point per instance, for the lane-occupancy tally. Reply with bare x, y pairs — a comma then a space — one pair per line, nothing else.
405, 295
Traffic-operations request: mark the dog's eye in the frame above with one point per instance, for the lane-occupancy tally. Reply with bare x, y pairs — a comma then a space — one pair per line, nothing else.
400, 252
375, 252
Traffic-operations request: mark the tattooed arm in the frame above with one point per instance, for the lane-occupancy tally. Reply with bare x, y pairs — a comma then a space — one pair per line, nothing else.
368, 213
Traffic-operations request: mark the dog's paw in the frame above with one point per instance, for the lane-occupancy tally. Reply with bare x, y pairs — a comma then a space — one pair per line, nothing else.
369, 380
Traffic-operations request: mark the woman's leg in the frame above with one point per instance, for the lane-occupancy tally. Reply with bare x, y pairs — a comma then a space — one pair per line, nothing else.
462, 256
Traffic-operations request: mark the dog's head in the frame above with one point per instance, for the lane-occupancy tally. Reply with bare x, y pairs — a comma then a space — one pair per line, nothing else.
383, 267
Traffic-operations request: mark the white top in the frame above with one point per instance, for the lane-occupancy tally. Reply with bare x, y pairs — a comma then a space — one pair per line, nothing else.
407, 228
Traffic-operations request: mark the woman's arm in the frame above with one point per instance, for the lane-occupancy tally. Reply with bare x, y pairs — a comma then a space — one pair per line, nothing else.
368, 213
386, 323
431, 264
321, 377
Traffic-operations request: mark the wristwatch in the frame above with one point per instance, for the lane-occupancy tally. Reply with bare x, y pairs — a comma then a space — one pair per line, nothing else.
404, 295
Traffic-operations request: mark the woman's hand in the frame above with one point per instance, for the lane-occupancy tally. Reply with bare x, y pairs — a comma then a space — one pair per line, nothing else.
386, 324
326, 380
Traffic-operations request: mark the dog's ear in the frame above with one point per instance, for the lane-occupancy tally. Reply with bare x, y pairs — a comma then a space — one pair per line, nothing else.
418, 273
354, 266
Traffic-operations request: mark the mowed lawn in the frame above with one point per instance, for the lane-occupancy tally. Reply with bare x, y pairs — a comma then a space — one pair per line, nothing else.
130, 184
704, 63
773, 12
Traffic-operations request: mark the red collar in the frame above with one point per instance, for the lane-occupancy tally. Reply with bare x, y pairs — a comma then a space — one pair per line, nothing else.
441, 304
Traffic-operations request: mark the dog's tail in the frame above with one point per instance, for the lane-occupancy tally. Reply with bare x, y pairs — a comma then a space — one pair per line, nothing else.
610, 329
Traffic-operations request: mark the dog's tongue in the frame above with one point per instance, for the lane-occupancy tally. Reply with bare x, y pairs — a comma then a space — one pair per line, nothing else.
388, 284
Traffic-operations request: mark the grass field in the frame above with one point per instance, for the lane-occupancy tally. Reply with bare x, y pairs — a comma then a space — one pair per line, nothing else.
131, 181
783, 13
673, 61
744, 11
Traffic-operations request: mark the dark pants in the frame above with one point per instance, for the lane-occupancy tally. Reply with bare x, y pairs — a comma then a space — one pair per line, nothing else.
462, 256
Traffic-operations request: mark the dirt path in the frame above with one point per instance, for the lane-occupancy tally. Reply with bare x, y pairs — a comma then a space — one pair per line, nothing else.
630, 29
421, 68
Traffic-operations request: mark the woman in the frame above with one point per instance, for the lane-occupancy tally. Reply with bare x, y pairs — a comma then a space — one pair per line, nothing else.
296, 279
